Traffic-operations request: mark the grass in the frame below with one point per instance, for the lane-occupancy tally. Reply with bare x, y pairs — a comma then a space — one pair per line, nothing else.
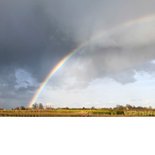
104, 112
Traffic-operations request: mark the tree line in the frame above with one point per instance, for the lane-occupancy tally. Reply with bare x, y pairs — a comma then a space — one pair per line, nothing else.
117, 107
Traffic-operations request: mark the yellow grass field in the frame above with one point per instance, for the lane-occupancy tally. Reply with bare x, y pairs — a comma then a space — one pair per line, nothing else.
78, 113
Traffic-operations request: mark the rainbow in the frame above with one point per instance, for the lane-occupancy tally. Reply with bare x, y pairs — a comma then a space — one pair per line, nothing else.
73, 52
51, 73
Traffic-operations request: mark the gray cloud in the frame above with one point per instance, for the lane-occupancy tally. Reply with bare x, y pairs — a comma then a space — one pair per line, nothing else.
30, 40
117, 53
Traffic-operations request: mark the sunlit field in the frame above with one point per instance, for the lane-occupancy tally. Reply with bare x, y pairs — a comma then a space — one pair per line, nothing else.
119, 111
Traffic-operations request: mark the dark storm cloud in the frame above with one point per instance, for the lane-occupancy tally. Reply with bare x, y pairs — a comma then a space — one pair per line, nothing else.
29, 36
33, 31
30, 39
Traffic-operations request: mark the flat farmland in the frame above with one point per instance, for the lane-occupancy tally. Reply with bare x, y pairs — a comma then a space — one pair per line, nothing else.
77, 113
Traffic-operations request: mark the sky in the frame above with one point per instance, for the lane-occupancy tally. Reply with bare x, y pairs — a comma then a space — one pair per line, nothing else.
116, 64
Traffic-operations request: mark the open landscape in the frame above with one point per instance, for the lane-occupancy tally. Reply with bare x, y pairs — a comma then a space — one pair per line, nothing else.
77, 77
80, 57
120, 111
